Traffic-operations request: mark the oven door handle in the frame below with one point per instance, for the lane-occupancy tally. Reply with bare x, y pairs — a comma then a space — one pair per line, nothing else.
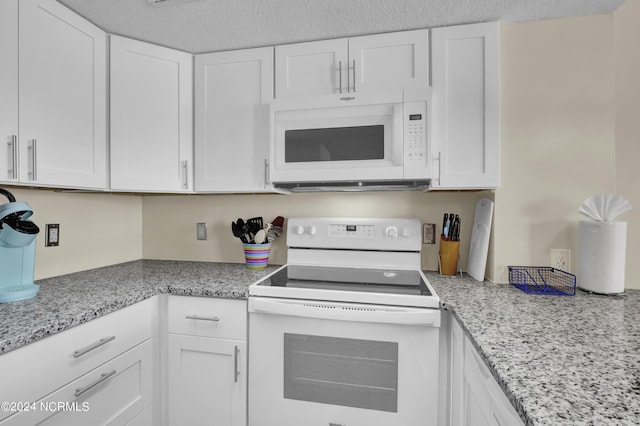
345, 311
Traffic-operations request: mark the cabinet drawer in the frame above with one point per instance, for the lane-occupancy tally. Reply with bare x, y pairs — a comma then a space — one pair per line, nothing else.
208, 317
114, 393
55, 361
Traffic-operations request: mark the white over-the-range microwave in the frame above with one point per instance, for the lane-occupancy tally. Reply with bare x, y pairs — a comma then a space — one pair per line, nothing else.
351, 141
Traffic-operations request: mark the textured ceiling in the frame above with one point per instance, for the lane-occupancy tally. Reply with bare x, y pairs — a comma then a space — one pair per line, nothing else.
214, 25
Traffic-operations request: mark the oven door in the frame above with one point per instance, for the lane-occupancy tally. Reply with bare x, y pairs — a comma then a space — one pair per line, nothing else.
332, 364
326, 139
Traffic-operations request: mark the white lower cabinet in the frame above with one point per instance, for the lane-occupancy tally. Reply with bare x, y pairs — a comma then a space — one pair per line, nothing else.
206, 383
207, 361
100, 372
476, 399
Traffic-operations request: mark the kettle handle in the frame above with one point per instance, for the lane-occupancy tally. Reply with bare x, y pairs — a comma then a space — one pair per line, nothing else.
9, 195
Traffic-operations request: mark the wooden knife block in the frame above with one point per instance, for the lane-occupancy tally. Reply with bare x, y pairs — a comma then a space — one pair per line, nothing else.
449, 255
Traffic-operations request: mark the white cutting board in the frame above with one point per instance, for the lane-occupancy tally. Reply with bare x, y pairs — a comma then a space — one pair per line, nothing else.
480, 232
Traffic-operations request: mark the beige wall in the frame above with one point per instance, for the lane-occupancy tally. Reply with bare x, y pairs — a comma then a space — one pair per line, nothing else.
557, 144
627, 68
95, 229
169, 222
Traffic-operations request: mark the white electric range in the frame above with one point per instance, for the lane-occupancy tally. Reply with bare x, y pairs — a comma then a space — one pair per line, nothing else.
345, 334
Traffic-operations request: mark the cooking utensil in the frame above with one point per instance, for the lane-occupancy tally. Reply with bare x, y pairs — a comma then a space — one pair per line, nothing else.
239, 229
254, 225
274, 229
260, 236
273, 232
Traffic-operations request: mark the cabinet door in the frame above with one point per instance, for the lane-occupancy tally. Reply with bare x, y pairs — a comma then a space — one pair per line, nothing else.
207, 381
233, 91
389, 61
457, 382
62, 60
314, 68
8, 90
151, 117
465, 106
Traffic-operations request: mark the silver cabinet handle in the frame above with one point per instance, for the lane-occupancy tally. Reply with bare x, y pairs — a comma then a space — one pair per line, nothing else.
185, 178
266, 172
354, 75
236, 372
34, 159
86, 349
200, 318
340, 75
96, 382
13, 171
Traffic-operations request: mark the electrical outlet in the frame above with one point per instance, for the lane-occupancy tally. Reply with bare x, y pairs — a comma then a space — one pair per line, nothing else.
201, 231
561, 259
52, 236
429, 233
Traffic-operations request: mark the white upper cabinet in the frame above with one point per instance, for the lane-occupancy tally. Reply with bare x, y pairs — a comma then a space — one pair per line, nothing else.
310, 69
151, 117
465, 106
389, 61
8, 90
62, 104
232, 95
368, 63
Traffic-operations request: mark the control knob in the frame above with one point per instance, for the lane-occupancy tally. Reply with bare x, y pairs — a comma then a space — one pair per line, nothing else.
298, 230
391, 232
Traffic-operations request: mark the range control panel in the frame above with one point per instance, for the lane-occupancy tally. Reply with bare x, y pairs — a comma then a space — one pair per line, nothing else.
354, 233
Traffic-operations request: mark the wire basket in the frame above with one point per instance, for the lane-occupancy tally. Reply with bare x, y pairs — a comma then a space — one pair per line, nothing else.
542, 280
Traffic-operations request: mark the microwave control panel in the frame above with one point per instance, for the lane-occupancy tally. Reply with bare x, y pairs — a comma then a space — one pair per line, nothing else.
416, 150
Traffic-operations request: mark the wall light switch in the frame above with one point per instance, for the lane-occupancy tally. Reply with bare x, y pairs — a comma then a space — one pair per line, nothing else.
201, 231
52, 237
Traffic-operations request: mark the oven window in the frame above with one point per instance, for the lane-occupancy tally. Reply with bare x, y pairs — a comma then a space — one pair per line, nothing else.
338, 371
334, 144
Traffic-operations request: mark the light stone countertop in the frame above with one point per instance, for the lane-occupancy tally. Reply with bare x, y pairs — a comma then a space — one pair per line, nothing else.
561, 360
69, 300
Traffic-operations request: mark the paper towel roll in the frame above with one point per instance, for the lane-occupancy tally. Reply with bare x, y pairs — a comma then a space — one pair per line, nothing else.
601, 256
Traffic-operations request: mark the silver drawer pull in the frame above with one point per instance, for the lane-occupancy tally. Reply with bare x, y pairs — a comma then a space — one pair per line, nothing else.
199, 318
96, 382
104, 340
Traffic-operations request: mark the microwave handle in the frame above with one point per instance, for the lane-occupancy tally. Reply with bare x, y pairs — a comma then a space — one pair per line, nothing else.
340, 76
312, 309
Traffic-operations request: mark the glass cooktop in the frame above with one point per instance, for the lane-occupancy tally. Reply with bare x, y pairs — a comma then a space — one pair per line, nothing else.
349, 279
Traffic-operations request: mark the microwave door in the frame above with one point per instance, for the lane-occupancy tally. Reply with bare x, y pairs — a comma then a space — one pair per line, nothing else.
338, 145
